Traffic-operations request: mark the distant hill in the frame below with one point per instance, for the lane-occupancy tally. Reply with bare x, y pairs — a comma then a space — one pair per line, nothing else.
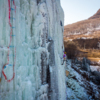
85, 29
95, 16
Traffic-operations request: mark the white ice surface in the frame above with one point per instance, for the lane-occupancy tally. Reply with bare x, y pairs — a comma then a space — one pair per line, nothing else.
34, 23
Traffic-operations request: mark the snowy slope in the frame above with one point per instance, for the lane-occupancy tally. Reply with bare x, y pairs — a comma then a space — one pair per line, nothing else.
79, 87
35, 50
74, 90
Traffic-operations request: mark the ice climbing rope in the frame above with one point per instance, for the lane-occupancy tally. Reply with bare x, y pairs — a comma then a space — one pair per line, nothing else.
9, 46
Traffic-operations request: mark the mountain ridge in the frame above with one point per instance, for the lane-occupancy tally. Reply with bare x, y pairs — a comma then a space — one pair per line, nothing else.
88, 28
96, 15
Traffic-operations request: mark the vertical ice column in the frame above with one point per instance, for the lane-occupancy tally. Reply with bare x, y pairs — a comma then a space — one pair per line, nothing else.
38, 37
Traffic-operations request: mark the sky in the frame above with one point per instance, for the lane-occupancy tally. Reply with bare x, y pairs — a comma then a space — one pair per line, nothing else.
77, 10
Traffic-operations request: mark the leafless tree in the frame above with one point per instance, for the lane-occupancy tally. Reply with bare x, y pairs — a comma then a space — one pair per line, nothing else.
99, 44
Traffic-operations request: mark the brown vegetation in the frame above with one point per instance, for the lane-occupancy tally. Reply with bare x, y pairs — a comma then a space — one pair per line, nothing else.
76, 49
95, 34
90, 53
97, 15
94, 59
81, 28
87, 43
71, 49
83, 37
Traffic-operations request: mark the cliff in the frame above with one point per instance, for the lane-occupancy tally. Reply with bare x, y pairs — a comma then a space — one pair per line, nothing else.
31, 48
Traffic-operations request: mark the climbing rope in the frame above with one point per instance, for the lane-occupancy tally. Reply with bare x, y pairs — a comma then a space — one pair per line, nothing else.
9, 46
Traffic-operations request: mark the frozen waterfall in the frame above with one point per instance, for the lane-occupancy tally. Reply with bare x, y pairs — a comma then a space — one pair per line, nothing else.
31, 48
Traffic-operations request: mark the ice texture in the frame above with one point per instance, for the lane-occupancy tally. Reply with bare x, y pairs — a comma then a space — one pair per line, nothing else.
74, 89
38, 39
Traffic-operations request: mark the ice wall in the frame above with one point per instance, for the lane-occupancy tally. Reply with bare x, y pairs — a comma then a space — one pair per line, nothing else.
36, 48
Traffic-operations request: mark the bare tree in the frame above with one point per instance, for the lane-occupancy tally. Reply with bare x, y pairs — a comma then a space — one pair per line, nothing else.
98, 44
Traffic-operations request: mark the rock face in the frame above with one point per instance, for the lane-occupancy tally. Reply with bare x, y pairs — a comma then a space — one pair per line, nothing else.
86, 64
31, 47
90, 75
95, 77
74, 89
82, 85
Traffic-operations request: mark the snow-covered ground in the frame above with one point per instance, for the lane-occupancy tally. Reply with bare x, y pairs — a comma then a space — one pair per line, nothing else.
90, 30
95, 68
74, 90
78, 87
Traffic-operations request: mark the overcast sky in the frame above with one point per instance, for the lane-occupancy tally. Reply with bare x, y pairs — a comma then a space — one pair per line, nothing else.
77, 10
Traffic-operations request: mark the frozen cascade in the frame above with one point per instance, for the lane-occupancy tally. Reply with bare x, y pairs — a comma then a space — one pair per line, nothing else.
37, 36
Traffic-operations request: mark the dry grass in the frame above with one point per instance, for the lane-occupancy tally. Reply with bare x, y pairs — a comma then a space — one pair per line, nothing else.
67, 73
93, 55
97, 15
95, 34
85, 43
84, 27
81, 26
94, 59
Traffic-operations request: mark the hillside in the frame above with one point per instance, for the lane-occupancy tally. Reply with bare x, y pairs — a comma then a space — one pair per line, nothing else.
89, 28
97, 15
86, 36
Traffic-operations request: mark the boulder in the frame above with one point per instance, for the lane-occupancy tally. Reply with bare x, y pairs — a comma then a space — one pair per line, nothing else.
86, 64
96, 77
85, 60
86, 67
77, 61
96, 73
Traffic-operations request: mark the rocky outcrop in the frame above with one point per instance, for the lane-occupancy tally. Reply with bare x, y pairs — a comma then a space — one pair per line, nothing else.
86, 64
74, 90
90, 75
95, 77
80, 85
31, 62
